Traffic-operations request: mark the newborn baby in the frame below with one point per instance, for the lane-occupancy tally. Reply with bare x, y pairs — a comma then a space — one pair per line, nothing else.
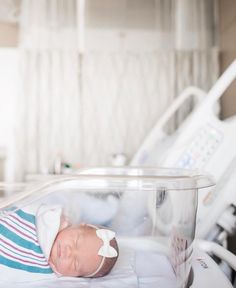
43, 242
83, 250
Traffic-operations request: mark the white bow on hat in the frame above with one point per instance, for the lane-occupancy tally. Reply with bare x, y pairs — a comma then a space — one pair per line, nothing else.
106, 250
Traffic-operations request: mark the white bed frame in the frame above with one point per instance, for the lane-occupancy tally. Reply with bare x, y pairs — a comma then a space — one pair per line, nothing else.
179, 149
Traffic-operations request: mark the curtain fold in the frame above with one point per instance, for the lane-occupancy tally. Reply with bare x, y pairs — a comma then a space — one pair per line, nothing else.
138, 56
48, 111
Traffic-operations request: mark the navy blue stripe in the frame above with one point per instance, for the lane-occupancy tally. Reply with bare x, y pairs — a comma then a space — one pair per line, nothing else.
18, 240
20, 266
26, 216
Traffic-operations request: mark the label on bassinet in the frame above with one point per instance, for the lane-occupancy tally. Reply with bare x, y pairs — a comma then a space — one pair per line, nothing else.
181, 251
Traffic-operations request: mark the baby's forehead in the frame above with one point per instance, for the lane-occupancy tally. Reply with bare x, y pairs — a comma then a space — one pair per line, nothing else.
85, 229
89, 236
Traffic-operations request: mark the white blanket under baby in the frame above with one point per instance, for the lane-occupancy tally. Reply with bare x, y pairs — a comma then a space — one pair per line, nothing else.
143, 269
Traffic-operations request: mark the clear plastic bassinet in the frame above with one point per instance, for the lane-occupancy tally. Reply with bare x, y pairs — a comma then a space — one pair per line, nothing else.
152, 211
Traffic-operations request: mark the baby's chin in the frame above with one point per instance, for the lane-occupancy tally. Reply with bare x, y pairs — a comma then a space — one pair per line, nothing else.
52, 260
53, 267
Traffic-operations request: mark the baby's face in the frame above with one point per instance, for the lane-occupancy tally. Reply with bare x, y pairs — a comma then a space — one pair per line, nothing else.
75, 251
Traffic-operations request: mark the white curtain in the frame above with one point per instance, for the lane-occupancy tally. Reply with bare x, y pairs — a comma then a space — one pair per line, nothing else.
49, 108
137, 56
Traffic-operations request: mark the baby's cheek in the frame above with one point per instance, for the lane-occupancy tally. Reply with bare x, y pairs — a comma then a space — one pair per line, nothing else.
64, 268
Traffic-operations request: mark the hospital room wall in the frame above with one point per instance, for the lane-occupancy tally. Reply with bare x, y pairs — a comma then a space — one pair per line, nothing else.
227, 40
8, 35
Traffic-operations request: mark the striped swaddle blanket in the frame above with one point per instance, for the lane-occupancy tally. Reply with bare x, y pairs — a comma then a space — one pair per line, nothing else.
19, 246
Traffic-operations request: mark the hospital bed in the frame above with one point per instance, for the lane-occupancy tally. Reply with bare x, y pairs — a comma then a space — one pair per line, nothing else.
149, 257
204, 142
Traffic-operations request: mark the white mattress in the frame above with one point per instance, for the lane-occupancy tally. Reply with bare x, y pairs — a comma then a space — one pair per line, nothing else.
144, 269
